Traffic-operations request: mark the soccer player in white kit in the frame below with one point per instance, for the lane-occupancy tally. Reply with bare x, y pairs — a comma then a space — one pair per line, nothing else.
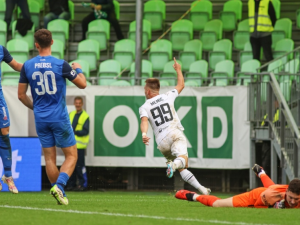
159, 110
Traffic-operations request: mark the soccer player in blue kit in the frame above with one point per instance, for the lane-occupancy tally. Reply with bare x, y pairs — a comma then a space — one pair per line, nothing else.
5, 148
47, 76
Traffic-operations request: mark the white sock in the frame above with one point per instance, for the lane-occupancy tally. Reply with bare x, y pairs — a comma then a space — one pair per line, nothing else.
195, 197
179, 163
188, 177
262, 172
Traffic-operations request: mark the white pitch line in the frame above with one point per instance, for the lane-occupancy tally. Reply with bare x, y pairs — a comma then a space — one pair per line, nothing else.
131, 215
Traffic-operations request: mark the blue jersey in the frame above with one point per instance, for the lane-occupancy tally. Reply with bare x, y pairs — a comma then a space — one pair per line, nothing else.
6, 57
46, 76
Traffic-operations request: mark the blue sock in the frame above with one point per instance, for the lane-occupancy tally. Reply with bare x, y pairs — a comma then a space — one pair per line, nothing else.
62, 181
5, 153
52, 184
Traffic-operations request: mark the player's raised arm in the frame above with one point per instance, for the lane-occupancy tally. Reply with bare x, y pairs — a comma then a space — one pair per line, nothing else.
80, 80
15, 65
180, 80
144, 129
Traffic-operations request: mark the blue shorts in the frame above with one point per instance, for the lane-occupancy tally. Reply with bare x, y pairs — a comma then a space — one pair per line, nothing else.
4, 115
58, 134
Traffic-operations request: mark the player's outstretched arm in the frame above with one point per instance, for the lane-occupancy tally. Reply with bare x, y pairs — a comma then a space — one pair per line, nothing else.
180, 79
144, 129
80, 80
22, 89
15, 65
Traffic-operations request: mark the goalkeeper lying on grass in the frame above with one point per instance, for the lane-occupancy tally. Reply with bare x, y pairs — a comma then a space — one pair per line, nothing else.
270, 196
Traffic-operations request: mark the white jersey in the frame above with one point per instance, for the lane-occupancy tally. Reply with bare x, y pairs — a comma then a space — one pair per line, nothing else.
161, 113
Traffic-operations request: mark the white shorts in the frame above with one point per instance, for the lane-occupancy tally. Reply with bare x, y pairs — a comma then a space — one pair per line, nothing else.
173, 145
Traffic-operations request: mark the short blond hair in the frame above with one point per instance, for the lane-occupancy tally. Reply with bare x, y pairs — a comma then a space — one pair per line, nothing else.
153, 84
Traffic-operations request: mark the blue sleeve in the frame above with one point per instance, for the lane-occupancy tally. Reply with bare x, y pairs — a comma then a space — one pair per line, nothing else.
6, 55
23, 78
68, 72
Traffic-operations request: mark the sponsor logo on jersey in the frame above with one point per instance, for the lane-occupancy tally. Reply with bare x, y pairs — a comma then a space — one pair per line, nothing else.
73, 73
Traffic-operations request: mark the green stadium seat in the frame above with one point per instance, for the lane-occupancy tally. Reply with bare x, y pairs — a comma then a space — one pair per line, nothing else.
275, 67
282, 47
10, 82
2, 9
8, 72
282, 29
99, 30
124, 52
160, 53
60, 30
164, 83
18, 49
117, 9
212, 32
292, 67
29, 37
250, 66
242, 35
169, 74
232, 11
3, 31
181, 33
71, 9
34, 9
277, 7
191, 83
155, 12
57, 49
120, 83
222, 74
198, 72
146, 33
200, 14
108, 70
192, 52
147, 72
89, 50
222, 50
85, 66
246, 55
41, 4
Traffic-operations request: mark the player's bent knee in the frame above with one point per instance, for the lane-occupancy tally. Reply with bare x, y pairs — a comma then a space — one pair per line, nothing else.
186, 160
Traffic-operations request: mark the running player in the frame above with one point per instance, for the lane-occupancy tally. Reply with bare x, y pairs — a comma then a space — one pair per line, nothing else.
159, 110
47, 76
5, 148
270, 196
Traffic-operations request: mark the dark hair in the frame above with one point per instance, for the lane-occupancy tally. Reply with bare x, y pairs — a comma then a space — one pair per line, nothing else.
294, 186
43, 37
153, 83
78, 98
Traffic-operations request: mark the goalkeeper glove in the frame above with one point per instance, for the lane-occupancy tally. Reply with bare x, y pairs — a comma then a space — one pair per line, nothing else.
279, 205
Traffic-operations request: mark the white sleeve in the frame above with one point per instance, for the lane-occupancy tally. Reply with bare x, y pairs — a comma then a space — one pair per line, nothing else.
172, 94
143, 112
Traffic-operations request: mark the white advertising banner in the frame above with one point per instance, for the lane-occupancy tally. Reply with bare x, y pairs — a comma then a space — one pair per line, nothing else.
214, 118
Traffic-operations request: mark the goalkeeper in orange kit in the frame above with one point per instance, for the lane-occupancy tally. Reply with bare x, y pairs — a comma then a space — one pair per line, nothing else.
270, 196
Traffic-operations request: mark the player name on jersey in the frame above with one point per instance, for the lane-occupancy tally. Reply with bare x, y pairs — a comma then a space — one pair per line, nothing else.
42, 65
157, 101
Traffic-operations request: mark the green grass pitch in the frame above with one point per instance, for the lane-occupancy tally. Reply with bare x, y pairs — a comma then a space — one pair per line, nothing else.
141, 208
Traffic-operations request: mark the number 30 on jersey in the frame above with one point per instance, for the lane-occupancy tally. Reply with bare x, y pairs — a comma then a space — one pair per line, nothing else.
44, 82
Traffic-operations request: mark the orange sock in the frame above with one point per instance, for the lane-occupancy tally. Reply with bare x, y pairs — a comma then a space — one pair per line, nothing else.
266, 180
207, 200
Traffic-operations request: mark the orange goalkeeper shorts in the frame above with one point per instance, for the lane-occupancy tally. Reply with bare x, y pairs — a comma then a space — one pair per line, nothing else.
249, 199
